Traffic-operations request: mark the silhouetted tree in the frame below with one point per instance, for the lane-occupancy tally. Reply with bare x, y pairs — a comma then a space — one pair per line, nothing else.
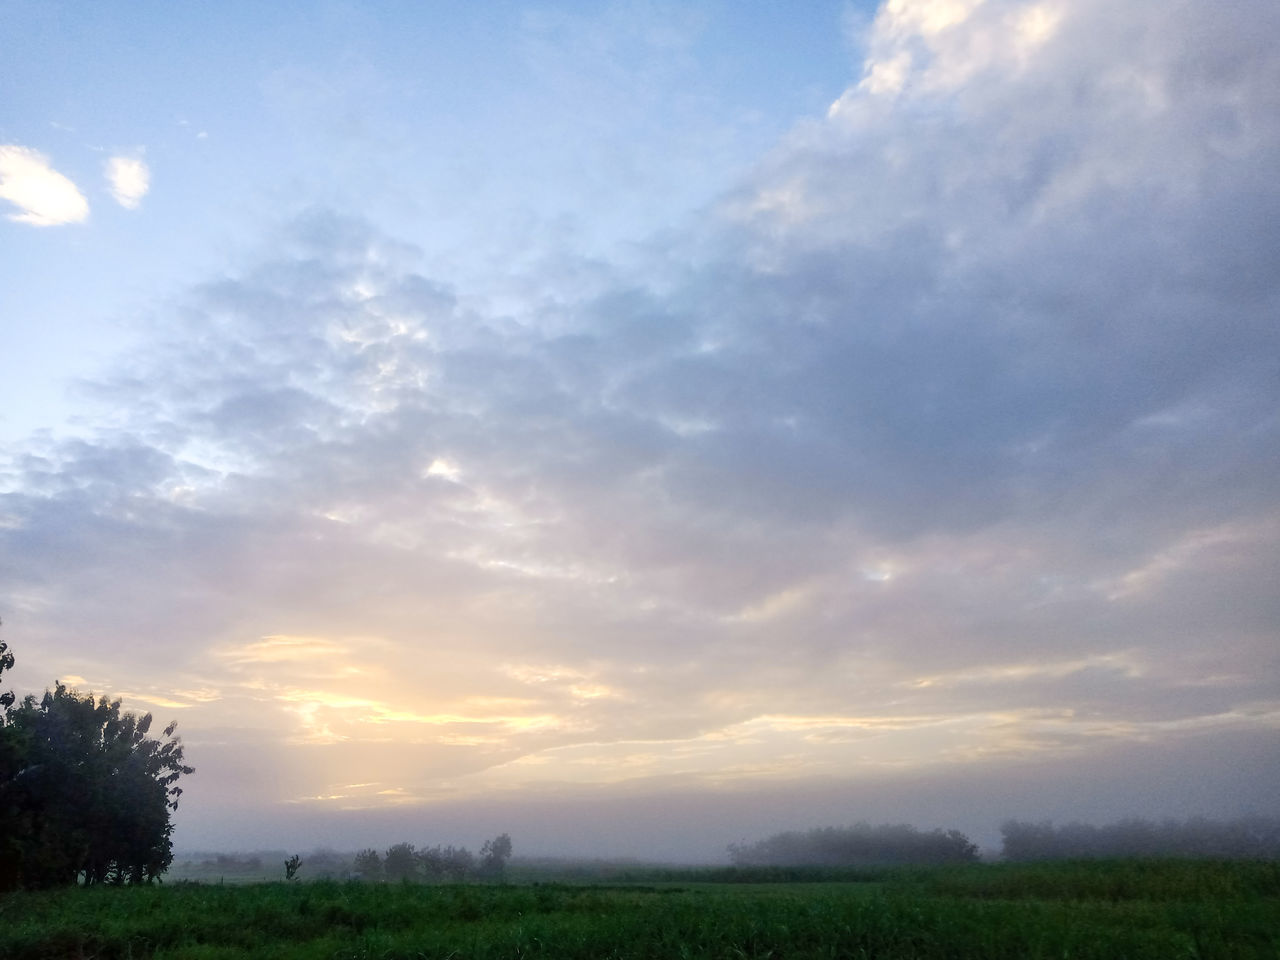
11, 752
368, 865
494, 855
446, 863
6, 663
860, 844
84, 791
400, 863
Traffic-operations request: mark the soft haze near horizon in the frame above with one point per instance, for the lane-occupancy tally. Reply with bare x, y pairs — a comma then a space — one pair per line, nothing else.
642, 427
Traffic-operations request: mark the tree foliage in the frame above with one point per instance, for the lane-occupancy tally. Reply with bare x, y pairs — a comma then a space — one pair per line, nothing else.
437, 864
494, 855
368, 865
6, 663
858, 845
400, 863
85, 793
11, 753
446, 863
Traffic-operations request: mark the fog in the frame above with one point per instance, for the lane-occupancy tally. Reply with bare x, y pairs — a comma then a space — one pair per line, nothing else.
1220, 777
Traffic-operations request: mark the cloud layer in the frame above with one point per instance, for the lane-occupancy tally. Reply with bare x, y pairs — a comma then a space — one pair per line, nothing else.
948, 438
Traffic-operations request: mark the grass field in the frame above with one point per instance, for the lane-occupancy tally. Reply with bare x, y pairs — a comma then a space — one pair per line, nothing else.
1124, 909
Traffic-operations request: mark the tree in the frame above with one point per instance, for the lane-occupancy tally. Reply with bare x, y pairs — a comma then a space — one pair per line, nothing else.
494, 855
400, 863
369, 865
6, 663
446, 863
11, 751
84, 791
858, 845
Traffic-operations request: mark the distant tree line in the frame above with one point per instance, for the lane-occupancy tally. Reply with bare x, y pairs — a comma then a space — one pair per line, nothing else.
85, 793
403, 862
1244, 838
400, 862
859, 845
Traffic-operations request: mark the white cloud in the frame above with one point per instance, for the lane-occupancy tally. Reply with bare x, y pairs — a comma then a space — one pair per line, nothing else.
925, 17
889, 75
940, 45
45, 197
130, 179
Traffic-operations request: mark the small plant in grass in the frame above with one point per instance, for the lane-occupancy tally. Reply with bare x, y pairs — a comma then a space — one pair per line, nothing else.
291, 867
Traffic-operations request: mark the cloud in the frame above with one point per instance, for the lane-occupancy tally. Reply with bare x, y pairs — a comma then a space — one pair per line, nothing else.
43, 195
129, 179
949, 435
940, 45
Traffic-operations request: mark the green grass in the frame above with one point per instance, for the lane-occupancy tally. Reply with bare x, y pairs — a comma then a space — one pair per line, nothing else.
1125, 909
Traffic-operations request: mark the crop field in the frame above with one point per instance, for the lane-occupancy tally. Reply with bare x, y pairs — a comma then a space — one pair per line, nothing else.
1161, 910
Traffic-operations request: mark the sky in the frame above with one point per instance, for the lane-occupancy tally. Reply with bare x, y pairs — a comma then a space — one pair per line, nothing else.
645, 426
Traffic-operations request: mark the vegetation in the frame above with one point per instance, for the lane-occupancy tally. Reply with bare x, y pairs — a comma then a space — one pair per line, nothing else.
858, 845
1256, 837
494, 855
405, 863
447, 864
1133, 909
85, 793
368, 866
400, 863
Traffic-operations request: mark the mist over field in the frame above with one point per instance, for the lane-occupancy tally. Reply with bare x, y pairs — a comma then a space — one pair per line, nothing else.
664, 823
653, 427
